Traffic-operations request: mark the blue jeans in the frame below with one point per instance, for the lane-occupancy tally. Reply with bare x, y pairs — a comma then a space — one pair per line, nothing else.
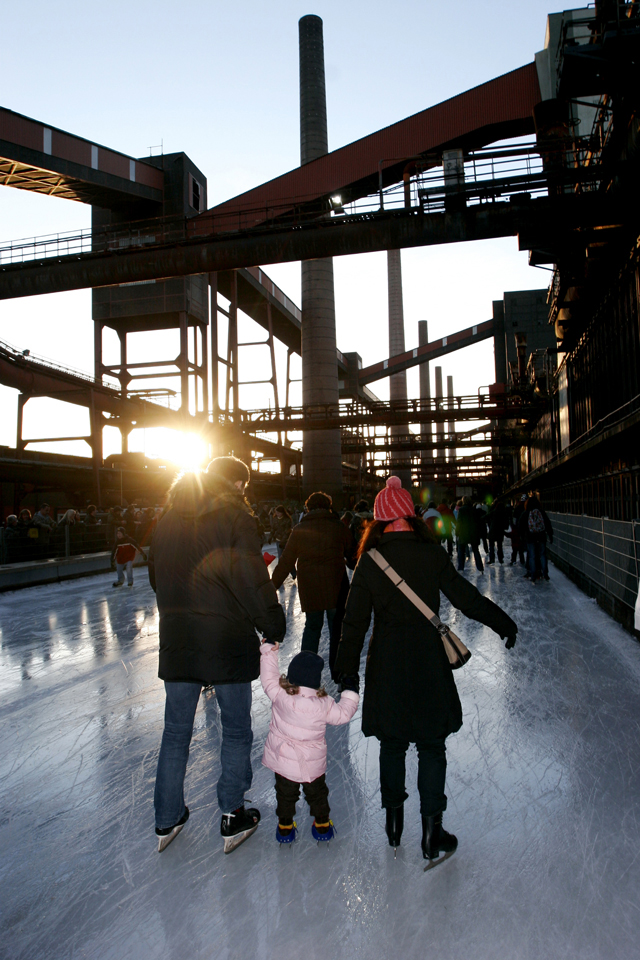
313, 628
120, 571
537, 559
234, 700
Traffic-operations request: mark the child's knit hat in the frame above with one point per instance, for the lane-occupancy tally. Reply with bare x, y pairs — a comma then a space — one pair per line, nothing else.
393, 502
305, 670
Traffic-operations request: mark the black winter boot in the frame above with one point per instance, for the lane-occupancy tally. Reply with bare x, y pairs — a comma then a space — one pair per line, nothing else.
436, 840
395, 824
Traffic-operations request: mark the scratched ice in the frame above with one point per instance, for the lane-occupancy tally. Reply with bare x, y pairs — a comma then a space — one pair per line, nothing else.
543, 795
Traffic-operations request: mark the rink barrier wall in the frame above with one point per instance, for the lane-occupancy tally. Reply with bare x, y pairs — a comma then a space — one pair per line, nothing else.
602, 557
33, 573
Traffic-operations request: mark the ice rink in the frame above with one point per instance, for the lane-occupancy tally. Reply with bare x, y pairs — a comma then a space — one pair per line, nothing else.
543, 795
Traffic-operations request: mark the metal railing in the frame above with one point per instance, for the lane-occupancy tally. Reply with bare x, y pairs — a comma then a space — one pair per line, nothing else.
604, 551
494, 174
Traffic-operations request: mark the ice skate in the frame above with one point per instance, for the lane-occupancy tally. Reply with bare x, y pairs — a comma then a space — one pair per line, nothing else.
170, 833
394, 826
287, 833
436, 840
118, 583
323, 832
238, 826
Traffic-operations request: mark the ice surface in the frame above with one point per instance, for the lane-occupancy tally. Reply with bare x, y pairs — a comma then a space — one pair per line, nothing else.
542, 783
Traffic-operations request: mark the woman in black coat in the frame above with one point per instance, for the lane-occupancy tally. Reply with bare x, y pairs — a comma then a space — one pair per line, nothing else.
410, 695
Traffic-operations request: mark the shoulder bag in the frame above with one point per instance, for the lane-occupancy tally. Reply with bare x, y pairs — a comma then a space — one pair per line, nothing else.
455, 649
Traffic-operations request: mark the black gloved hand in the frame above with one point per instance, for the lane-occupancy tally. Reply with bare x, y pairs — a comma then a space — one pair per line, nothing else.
510, 642
350, 683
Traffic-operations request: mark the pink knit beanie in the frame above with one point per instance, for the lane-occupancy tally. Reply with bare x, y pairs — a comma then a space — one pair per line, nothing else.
393, 502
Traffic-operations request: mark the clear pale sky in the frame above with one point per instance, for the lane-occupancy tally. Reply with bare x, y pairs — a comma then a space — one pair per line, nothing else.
220, 82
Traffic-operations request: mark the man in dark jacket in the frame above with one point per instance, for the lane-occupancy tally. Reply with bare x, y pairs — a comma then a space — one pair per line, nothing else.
318, 545
213, 593
468, 534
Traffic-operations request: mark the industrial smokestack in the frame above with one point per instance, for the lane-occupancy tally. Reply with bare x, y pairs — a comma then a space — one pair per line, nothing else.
321, 449
425, 389
398, 382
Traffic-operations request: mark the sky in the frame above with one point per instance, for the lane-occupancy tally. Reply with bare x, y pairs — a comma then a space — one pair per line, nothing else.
219, 81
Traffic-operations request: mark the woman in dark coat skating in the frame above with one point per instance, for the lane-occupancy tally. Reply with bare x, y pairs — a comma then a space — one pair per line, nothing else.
410, 695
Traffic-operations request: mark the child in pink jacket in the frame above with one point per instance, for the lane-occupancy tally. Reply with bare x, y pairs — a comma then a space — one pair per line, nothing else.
296, 749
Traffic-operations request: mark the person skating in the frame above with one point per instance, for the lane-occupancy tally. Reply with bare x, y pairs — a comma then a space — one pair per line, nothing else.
124, 553
497, 523
468, 534
282, 527
317, 548
213, 592
409, 694
448, 522
296, 749
535, 526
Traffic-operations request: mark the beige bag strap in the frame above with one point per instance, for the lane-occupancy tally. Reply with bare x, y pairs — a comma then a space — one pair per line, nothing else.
455, 649
404, 587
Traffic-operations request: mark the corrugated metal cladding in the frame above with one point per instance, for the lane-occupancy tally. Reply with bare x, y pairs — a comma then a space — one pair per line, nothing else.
509, 98
27, 133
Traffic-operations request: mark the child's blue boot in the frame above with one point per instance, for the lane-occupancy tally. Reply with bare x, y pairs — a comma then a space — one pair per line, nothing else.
323, 832
287, 833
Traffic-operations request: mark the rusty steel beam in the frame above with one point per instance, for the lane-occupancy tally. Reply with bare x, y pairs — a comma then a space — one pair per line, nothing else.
429, 351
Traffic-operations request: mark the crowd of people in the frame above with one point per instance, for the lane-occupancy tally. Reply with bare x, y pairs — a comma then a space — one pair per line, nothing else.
221, 625
40, 535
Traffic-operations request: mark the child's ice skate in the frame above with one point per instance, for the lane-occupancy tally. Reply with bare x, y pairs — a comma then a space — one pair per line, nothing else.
287, 833
323, 832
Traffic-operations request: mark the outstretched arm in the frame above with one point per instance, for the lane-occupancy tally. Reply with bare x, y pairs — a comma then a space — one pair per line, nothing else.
270, 670
287, 562
470, 601
357, 619
342, 712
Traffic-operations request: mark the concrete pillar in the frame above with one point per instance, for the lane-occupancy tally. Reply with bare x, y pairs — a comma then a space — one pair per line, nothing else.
425, 391
440, 454
321, 449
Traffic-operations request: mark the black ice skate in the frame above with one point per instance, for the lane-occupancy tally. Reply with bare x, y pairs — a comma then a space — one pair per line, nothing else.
238, 826
170, 833
394, 826
436, 840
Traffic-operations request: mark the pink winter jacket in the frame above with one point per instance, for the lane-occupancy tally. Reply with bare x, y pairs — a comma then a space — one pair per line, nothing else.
296, 747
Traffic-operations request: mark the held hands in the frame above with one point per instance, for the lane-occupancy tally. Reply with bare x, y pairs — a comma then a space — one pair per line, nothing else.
350, 683
273, 643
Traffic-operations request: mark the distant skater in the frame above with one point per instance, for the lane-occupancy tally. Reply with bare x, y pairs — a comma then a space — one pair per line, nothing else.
296, 749
124, 553
410, 695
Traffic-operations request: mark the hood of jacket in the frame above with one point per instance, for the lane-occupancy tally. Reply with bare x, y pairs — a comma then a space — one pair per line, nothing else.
197, 494
320, 515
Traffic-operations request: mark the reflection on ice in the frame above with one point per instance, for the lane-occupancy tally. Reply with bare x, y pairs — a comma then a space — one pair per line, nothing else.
542, 785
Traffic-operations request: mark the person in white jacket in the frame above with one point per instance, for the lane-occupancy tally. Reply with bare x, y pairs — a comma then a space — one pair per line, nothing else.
296, 749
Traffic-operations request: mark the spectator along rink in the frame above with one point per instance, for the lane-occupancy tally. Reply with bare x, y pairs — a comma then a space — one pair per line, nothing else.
542, 782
